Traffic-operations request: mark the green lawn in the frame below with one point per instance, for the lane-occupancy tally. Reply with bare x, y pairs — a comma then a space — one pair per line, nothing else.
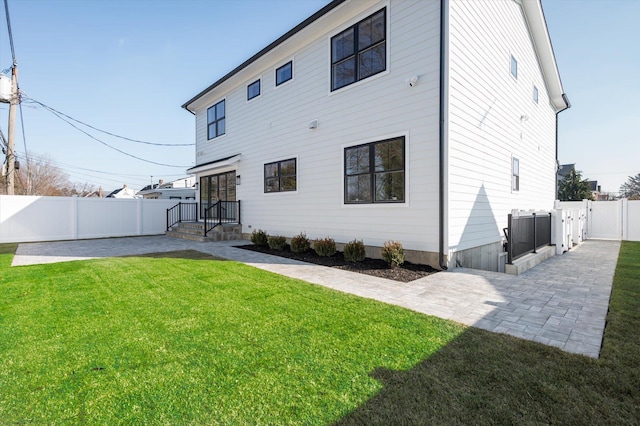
184, 340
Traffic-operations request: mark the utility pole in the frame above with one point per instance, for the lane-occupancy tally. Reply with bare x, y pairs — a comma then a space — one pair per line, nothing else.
11, 156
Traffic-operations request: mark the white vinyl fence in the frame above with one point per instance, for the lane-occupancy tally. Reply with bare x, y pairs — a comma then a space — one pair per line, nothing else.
610, 220
30, 218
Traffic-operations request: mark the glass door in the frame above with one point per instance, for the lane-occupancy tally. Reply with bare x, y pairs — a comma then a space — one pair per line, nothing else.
213, 188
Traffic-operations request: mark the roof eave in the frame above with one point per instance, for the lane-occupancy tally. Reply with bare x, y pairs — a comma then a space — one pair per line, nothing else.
542, 43
320, 13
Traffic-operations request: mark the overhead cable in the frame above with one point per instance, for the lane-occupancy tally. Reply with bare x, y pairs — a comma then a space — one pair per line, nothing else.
53, 110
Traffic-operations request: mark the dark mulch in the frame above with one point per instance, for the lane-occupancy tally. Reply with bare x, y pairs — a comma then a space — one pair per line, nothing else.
376, 267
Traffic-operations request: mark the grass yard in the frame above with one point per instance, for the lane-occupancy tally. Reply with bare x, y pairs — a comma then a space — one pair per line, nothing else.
151, 340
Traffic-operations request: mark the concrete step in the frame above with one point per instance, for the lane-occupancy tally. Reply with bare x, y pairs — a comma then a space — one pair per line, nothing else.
194, 231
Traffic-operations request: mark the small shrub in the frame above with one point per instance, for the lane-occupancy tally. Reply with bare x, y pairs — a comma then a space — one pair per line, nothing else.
277, 242
259, 238
354, 251
393, 253
300, 243
325, 247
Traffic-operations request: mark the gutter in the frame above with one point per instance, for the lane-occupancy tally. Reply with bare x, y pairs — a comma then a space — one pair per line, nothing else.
441, 207
566, 100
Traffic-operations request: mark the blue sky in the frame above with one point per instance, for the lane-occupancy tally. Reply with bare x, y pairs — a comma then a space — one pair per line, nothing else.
126, 66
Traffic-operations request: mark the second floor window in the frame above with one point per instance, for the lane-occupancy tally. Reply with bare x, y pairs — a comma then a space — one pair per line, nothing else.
216, 120
359, 51
253, 90
284, 73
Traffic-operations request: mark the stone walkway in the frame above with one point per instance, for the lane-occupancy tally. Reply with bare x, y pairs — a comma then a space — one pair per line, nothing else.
563, 302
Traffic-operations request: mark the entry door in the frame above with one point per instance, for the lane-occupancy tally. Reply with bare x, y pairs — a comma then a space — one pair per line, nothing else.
213, 188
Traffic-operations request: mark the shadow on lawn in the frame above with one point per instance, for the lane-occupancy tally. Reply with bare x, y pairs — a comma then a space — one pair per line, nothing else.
486, 378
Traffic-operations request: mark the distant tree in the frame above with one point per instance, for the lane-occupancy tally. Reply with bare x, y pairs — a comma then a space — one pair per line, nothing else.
631, 188
574, 188
41, 177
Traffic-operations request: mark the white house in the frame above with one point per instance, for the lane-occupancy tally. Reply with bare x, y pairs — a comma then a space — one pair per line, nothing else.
179, 189
420, 121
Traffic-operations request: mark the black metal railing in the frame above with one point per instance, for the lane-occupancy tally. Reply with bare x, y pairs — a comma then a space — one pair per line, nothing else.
182, 212
526, 234
219, 213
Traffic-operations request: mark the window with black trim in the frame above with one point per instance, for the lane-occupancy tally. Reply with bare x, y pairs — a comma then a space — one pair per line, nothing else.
359, 51
216, 120
280, 176
515, 175
253, 90
375, 172
284, 73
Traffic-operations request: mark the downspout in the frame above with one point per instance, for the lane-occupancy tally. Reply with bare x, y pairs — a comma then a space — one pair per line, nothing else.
566, 101
443, 26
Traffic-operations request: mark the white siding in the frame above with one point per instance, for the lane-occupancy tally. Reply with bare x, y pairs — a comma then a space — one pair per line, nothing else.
274, 127
485, 128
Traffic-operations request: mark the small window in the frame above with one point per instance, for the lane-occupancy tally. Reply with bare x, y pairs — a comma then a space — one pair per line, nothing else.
253, 90
535, 94
515, 175
514, 67
280, 176
375, 172
216, 120
360, 51
284, 73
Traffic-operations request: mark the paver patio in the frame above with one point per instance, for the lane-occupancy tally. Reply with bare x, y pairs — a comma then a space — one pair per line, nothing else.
562, 302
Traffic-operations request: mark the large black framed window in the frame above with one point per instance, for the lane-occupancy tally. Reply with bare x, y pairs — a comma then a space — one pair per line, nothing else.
280, 176
375, 172
359, 51
216, 120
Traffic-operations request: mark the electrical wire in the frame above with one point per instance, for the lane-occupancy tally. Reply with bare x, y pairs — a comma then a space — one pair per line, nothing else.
13, 52
55, 111
112, 147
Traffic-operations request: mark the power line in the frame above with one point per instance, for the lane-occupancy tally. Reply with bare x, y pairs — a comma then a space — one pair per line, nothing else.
13, 52
109, 146
53, 110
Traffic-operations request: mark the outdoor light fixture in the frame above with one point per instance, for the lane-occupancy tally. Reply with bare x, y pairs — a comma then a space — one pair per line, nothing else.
238, 180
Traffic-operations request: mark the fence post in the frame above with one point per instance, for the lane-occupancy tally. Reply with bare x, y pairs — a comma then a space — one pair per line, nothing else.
535, 242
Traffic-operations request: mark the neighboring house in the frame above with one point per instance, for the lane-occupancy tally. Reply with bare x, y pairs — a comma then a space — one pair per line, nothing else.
180, 189
424, 122
564, 170
124, 192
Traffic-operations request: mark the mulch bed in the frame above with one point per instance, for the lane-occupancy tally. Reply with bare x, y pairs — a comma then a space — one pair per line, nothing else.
376, 267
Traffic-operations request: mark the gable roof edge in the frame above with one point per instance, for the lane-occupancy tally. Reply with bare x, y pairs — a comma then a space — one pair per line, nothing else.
542, 43
319, 14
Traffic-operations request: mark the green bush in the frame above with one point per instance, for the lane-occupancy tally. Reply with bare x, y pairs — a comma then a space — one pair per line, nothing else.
354, 251
325, 247
277, 242
300, 243
259, 238
393, 253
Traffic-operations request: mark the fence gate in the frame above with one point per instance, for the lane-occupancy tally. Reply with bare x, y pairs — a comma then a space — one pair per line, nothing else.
604, 219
